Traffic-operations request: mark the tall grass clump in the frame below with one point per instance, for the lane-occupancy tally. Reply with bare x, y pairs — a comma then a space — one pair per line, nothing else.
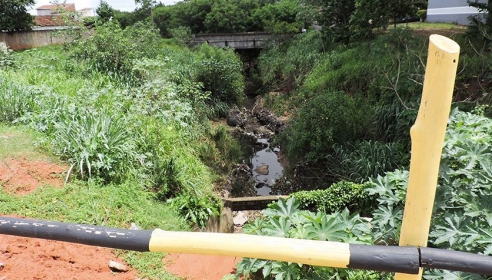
15, 99
98, 143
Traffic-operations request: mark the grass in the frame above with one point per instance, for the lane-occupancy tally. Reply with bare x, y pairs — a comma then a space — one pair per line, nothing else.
431, 26
18, 142
89, 203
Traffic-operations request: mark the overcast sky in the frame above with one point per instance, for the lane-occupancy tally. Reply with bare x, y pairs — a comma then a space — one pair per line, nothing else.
122, 5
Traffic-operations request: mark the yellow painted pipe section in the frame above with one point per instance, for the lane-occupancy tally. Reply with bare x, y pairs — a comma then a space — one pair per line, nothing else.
312, 252
427, 136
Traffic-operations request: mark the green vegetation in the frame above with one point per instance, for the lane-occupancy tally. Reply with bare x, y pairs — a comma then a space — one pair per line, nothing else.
285, 219
330, 142
131, 117
336, 198
14, 15
461, 219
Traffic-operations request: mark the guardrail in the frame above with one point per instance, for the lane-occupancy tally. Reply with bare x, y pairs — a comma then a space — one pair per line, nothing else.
407, 260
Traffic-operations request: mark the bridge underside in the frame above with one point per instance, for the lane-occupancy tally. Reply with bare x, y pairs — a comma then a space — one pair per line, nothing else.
238, 41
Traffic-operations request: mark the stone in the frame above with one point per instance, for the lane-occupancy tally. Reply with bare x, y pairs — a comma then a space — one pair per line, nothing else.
236, 118
262, 169
116, 266
240, 219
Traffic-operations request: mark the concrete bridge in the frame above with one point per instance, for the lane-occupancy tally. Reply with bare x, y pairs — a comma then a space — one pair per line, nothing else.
248, 40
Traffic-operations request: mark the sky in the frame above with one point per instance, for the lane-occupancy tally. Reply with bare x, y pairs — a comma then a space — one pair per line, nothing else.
122, 5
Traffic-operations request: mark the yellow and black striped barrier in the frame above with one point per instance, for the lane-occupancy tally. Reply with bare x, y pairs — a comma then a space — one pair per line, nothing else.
406, 260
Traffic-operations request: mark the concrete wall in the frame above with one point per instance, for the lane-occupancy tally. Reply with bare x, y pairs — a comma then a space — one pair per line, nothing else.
31, 39
452, 11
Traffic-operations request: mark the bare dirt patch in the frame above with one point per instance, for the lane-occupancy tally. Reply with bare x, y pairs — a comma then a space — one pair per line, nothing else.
200, 267
23, 176
29, 258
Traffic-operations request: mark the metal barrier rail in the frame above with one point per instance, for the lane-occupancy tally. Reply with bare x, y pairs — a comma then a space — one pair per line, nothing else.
406, 260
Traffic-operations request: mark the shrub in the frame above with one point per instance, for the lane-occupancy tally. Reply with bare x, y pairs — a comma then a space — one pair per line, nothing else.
98, 143
285, 219
113, 50
286, 64
337, 197
462, 209
220, 72
327, 119
6, 57
364, 160
16, 100
422, 14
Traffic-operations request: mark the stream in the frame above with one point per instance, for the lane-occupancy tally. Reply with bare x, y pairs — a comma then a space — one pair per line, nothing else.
266, 167
256, 127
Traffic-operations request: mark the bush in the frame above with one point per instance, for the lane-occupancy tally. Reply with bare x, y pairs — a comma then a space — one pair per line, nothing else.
327, 119
98, 143
422, 14
220, 72
285, 219
285, 65
15, 100
113, 51
366, 159
462, 213
337, 197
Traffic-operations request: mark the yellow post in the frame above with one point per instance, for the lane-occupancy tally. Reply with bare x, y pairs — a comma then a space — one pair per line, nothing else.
427, 136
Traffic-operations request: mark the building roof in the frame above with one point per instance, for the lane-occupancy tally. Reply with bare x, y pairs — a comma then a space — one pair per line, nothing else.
48, 21
68, 7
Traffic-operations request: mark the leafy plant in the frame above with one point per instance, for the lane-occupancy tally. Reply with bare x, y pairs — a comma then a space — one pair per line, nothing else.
220, 72
337, 197
462, 213
285, 219
15, 100
96, 142
327, 119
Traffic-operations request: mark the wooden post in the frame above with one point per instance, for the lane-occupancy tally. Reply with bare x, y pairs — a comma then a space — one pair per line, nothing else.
427, 142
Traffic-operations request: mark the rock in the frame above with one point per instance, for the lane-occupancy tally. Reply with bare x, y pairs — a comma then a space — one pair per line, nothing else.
268, 119
262, 169
2, 266
135, 227
236, 118
240, 219
116, 266
276, 149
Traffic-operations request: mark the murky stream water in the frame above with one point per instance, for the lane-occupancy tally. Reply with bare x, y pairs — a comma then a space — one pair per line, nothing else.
266, 167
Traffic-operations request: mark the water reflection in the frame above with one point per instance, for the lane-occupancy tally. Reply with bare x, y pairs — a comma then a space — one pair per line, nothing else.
266, 167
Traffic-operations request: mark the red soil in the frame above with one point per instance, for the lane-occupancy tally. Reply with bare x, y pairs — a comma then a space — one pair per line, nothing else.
30, 258
200, 267
23, 177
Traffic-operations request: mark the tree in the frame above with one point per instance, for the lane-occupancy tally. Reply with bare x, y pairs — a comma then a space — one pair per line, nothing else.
481, 25
14, 15
369, 15
105, 11
335, 18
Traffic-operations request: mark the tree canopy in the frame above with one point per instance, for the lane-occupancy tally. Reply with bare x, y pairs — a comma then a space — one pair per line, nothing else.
14, 15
